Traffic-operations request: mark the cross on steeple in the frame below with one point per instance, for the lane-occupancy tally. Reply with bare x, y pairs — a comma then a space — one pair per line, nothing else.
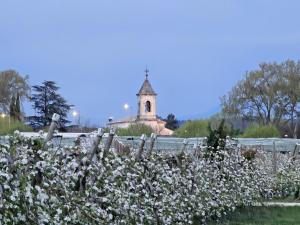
146, 72
146, 88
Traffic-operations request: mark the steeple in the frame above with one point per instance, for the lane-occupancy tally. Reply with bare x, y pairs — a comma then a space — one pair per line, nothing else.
146, 100
146, 88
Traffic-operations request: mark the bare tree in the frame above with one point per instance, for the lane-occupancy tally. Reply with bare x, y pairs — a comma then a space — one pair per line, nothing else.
270, 95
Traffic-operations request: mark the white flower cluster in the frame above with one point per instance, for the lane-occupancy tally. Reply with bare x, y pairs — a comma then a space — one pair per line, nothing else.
61, 186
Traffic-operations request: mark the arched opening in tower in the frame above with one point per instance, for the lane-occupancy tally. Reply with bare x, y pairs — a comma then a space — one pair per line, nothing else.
148, 106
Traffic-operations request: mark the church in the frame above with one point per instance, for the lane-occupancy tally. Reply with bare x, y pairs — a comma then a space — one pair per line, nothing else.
146, 101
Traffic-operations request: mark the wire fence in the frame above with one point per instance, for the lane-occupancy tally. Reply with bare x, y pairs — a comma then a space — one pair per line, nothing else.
266, 144
282, 145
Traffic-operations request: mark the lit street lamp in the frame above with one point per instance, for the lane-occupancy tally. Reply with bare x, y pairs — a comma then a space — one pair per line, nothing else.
3, 115
76, 114
126, 106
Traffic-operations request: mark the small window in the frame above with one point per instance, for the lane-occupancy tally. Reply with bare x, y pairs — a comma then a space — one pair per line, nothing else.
148, 106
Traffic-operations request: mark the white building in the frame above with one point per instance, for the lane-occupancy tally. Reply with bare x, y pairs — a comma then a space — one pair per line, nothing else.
146, 111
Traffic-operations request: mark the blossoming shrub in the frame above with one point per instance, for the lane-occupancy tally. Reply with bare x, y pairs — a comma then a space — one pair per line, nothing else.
61, 185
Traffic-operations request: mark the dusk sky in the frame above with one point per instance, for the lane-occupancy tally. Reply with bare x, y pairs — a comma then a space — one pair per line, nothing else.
97, 50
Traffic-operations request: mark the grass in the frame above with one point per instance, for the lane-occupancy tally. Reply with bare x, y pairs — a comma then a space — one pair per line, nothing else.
8, 127
272, 215
289, 199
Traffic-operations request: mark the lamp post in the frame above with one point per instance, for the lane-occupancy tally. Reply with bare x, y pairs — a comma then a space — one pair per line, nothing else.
127, 108
3, 115
76, 114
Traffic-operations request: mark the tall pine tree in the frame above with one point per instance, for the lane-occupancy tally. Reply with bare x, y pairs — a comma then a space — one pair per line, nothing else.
46, 101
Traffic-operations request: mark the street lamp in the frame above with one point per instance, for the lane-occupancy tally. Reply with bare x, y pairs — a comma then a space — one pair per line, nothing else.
3, 115
126, 106
74, 113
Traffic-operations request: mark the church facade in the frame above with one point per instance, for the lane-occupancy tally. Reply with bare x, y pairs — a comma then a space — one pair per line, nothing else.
146, 98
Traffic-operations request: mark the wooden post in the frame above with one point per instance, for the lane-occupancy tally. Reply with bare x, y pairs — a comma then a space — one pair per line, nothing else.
204, 142
96, 143
227, 141
274, 158
53, 126
141, 148
152, 141
80, 185
295, 152
195, 149
185, 142
108, 141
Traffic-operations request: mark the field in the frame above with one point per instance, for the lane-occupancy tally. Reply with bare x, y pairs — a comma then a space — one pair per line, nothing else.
274, 215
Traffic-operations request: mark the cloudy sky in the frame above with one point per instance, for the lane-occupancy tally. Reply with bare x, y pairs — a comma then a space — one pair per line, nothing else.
97, 50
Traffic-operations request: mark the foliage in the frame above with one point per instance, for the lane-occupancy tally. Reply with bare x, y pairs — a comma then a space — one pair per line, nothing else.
135, 130
217, 137
202, 128
261, 131
249, 154
270, 95
193, 128
46, 101
9, 128
171, 122
233, 125
11, 85
40, 186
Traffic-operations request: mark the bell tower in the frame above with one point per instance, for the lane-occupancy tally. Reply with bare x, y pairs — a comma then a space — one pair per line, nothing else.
146, 101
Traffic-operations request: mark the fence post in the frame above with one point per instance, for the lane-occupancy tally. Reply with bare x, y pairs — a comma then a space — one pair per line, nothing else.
108, 142
195, 149
274, 158
152, 141
96, 143
53, 126
141, 148
295, 152
185, 142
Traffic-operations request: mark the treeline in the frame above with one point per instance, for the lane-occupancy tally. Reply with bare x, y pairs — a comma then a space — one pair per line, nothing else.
265, 103
45, 99
201, 128
268, 96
